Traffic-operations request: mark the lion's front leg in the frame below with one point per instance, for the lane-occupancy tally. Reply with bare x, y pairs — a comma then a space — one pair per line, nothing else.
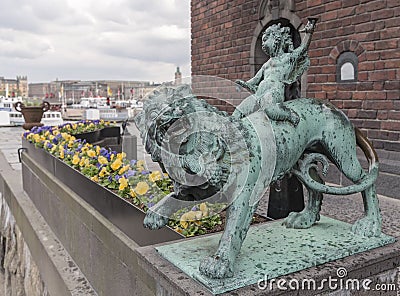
239, 216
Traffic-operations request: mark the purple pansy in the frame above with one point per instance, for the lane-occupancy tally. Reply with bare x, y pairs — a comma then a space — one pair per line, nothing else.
130, 173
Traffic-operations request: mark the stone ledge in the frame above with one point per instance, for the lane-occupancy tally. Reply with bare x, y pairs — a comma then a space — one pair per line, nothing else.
103, 252
57, 269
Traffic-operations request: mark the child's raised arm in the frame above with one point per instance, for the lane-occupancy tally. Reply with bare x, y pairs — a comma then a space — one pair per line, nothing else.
309, 30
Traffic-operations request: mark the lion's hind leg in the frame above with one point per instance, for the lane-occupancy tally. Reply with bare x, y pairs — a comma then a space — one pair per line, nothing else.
344, 149
370, 224
307, 217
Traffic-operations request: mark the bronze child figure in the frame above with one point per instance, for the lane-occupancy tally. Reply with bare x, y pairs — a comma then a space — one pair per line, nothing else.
284, 66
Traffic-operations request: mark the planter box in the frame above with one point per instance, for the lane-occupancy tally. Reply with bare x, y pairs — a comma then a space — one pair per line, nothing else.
118, 211
99, 136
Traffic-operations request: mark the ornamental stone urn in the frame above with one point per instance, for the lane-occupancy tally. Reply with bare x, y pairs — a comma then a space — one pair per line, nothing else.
32, 114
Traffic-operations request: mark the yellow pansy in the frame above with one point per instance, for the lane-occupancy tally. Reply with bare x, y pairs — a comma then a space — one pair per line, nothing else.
62, 153
123, 169
75, 159
70, 144
91, 153
141, 188
204, 209
116, 164
97, 149
36, 138
155, 176
65, 136
140, 163
74, 126
103, 172
102, 160
123, 183
190, 217
95, 178
83, 161
47, 133
112, 156
177, 229
132, 193
121, 155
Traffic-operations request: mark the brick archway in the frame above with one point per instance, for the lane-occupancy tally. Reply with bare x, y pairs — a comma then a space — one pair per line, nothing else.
347, 45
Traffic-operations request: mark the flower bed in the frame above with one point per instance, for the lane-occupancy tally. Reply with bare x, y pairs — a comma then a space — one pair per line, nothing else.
127, 178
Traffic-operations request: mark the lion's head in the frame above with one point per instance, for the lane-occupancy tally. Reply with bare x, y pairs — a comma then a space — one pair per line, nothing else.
191, 140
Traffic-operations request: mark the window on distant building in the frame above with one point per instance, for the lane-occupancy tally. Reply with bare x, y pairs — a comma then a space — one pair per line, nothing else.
347, 67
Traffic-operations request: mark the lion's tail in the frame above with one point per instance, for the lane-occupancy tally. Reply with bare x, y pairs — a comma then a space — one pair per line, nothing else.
311, 159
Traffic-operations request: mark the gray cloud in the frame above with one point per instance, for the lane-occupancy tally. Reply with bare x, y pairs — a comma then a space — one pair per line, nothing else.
88, 39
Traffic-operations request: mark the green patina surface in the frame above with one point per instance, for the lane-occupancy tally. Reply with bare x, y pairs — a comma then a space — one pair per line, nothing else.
213, 156
327, 240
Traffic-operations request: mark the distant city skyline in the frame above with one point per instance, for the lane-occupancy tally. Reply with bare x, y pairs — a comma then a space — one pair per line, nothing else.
94, 40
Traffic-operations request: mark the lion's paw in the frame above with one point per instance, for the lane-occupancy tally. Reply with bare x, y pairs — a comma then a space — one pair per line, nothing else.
300, 220
154, 220
216, 267
367, 226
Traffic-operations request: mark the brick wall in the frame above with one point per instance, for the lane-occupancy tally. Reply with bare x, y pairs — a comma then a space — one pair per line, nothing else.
222, 33
371, 30
221, 38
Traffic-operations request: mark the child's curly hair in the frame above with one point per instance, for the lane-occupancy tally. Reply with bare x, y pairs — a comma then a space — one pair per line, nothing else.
282, 35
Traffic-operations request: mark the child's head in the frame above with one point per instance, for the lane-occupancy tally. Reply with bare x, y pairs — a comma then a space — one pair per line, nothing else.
277, 39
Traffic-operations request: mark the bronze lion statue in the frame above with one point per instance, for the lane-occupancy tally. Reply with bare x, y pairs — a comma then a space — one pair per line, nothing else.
209, 153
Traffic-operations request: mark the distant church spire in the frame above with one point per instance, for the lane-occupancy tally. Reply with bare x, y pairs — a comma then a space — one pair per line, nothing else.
178, 76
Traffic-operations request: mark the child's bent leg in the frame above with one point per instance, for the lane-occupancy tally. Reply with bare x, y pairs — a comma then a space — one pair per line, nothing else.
281, 113
246, 107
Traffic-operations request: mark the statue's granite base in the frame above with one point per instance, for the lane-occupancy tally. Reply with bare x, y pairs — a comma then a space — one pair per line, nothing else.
271, 250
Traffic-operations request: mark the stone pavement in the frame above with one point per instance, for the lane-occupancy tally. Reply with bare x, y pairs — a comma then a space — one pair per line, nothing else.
10, 141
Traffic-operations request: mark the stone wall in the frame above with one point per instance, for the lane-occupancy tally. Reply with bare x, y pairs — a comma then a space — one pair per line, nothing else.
19, 275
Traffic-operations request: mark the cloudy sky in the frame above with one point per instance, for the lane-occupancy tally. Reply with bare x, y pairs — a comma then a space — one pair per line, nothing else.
94, 40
